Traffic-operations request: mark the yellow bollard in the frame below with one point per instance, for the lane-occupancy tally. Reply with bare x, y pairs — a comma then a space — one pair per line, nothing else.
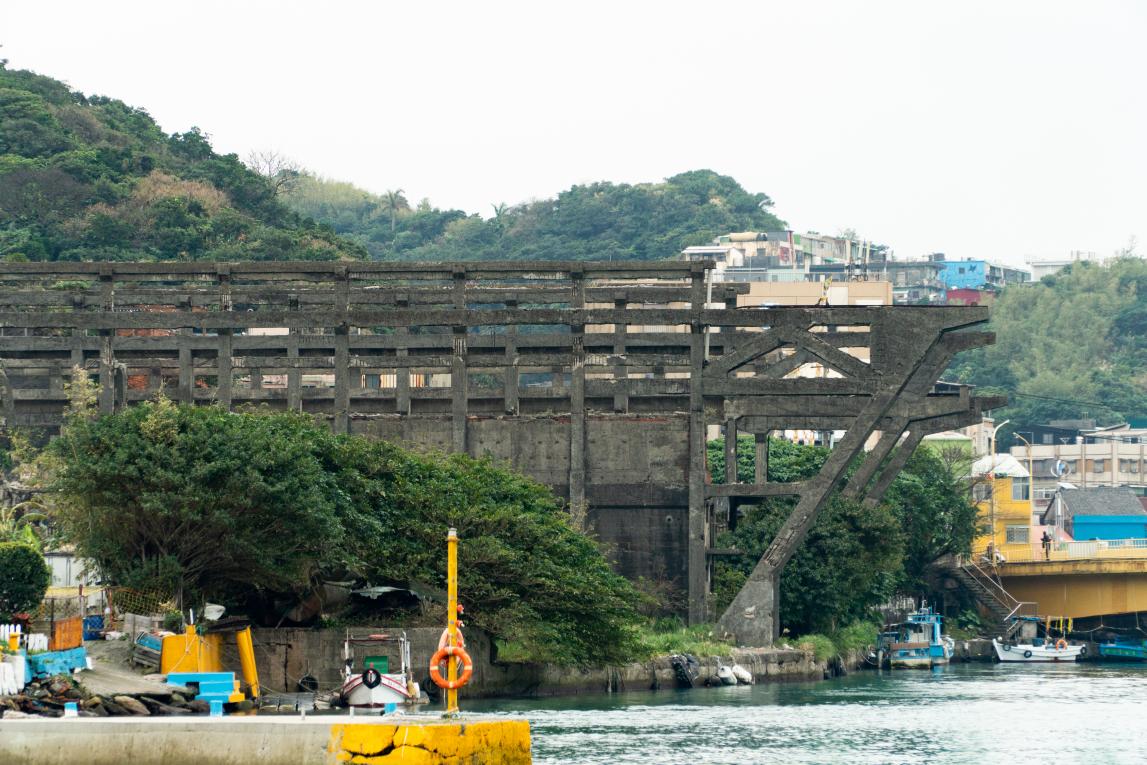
452, 616
14, 642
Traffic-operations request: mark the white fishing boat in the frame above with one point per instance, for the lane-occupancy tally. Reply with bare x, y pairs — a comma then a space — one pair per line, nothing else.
372, 685
1038, 650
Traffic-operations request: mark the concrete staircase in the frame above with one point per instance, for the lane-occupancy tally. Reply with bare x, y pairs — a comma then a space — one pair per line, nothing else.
986, 588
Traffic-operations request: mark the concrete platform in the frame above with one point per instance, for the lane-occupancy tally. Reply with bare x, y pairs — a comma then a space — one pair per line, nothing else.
314, 740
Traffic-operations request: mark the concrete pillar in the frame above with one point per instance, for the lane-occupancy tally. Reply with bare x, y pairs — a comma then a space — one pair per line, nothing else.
577, 421
698, 574
342, 381
731, 450
510, 373
294, 374
186, 392
761, 458
107, 362
223, 369
458, 388
402, 373
621, 394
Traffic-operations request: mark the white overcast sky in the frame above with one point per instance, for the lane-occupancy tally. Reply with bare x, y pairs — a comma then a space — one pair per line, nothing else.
994, 129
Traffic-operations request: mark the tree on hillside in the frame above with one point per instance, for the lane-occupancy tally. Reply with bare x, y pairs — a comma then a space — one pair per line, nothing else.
279, 170
599, 221
1067, 347
78, 177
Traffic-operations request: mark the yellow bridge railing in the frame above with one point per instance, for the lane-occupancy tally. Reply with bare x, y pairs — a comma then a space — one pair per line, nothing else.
1096, 549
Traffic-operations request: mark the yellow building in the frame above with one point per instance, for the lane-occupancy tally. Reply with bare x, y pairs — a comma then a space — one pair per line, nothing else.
1001, 490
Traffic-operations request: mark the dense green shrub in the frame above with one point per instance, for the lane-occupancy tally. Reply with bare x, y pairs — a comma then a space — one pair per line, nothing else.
224, 504
24, 578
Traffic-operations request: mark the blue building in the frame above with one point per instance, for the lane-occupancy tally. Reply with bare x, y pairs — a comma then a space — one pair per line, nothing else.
979, 274
1097, 513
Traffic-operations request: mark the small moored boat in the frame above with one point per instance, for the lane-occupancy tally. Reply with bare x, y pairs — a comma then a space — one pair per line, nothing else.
917, 642
1122, 650
374, 686
1038, 650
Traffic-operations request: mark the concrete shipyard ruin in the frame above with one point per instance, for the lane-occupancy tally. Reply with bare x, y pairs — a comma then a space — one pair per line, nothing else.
600, 380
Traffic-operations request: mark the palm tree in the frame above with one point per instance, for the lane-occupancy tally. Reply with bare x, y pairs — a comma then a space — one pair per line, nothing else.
394, 202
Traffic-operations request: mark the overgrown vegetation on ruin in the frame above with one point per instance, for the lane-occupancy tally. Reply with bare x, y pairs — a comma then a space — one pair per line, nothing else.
855, 557
222, 505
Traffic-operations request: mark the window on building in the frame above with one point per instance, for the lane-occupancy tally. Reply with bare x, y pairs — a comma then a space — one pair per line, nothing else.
1018, 535
961, 269
981, 492
1047, 439
1098, 466
1021, 488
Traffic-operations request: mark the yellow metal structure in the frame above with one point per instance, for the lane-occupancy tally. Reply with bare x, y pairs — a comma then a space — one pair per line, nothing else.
192, 652
452, 616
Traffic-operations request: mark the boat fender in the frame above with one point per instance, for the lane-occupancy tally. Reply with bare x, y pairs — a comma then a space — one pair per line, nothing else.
1060, 645
372, 678
442, 655
1027, 654
1083, 650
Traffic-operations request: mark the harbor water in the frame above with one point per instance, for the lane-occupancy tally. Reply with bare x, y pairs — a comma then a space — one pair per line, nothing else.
969, 713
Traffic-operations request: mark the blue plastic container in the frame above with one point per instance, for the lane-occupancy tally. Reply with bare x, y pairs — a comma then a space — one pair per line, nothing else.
93, 627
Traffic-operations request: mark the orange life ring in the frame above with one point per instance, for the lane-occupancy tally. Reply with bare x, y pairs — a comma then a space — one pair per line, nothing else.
1060, 644
442, 655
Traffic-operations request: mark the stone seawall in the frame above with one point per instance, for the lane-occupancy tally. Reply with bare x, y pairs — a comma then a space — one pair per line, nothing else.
285, 656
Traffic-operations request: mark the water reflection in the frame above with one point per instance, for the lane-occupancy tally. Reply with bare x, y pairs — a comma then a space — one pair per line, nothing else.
961, 714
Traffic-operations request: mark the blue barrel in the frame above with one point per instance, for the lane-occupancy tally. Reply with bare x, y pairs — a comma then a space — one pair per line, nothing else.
93, 627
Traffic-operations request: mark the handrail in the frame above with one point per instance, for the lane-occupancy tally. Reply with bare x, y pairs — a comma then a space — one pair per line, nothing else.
1007, 598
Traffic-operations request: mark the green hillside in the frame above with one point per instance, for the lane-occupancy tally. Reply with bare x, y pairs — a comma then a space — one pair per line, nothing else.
600, 221
1071, 345
91, 178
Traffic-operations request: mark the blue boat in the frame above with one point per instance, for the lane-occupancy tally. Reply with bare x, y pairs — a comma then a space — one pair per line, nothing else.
1124, 650
917, 642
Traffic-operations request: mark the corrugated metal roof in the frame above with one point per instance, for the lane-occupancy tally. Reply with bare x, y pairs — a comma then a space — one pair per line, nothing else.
1100, 500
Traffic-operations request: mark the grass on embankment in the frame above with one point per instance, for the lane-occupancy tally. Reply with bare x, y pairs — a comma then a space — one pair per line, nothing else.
669, 636
664, 637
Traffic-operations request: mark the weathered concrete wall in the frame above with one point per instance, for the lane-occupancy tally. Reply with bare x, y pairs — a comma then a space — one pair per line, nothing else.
637, 474
245, 740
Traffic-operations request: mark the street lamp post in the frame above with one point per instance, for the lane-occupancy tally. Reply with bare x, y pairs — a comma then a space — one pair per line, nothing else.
1031, 483
992, 478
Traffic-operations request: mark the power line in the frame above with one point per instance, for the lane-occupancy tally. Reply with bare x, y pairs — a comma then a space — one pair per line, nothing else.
1057, 400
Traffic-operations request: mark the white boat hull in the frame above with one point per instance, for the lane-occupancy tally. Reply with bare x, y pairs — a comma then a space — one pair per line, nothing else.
1024, 652
391, 690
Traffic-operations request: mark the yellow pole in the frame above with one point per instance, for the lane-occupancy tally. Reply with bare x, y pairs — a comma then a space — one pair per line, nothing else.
452, 615
247, 661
